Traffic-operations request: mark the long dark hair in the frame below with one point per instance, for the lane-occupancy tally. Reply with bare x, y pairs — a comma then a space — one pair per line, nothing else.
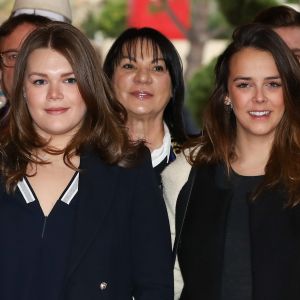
103, 126
217, 144
126, 44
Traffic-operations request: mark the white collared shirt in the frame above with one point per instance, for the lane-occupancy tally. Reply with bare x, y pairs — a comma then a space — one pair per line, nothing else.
159, 154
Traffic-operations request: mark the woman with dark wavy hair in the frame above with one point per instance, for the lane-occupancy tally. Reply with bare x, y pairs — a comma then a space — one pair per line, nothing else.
80, 213
238, 186
147, 77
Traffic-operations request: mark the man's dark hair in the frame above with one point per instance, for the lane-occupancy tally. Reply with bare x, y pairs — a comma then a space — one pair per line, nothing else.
278, 16
12, 23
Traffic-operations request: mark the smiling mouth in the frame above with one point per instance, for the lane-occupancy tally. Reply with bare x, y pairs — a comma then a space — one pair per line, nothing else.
262, 113
141, 94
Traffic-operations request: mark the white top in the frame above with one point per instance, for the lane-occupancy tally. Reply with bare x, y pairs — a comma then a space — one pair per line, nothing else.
159, 154
174, 176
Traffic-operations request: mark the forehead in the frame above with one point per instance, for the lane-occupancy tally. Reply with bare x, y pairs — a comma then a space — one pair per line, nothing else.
251, 62
141, 48
290, 35
14, 40
47, 59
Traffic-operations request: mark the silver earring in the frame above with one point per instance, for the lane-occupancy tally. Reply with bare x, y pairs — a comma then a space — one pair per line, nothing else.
228, 104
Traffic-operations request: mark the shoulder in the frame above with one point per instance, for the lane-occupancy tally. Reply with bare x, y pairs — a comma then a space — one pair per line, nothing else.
93, 168
176, 173
174, 177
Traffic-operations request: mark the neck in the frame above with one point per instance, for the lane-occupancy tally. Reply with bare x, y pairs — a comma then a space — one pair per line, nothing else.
152, 131
252, 155
58, 143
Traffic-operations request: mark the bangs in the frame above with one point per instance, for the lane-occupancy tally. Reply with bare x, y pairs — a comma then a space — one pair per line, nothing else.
145, 45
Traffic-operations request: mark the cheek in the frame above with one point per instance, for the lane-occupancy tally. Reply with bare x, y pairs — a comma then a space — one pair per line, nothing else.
7, 76
121, 85
83, 109
120, 89
33, 111
164, 85
238, 98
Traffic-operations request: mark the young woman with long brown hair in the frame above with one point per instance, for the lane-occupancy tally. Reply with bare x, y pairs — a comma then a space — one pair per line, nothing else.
238, 188
80, 213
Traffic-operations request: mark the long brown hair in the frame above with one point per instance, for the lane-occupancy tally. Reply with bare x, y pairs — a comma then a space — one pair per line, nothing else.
217, 143
103, 126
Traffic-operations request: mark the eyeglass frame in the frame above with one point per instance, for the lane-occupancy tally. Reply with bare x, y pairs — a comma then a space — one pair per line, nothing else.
2, 55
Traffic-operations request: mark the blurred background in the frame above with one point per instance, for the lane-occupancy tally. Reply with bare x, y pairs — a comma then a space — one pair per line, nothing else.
199, 29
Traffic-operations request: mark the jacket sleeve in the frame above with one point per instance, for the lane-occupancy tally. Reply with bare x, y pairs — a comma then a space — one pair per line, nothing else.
151, 241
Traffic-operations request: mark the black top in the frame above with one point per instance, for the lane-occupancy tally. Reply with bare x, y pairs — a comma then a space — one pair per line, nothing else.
35, 248
237, 271
274, 235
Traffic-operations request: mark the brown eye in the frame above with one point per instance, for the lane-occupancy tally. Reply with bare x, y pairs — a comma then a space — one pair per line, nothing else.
158, 68
127, 66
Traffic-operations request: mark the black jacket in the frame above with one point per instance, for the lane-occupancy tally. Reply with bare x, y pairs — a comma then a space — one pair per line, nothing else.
274, 235
121, 246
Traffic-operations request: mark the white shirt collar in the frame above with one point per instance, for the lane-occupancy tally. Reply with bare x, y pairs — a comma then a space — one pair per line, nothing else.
159, 154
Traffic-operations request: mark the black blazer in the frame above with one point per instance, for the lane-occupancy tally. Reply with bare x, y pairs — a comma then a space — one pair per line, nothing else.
274, 234
121, 246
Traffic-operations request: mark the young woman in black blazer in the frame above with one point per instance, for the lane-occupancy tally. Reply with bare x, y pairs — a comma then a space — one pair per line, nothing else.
238, 188
80, 213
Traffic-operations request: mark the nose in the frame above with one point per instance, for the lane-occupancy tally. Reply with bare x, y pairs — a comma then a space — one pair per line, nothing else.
55, 92
259, 95
143, 75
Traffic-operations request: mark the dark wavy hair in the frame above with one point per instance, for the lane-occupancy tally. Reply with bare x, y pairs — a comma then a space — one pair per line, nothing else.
103, 126
217, 144
126, 45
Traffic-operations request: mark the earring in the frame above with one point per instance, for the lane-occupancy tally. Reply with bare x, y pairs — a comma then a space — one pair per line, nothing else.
24, 95
228, 104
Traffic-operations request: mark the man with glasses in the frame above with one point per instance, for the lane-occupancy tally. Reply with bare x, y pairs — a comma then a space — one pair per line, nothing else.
12, 34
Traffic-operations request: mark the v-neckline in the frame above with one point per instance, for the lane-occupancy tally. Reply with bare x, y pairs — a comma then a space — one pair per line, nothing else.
66, 196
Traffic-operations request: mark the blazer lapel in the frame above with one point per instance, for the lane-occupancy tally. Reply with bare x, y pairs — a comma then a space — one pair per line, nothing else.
96, 193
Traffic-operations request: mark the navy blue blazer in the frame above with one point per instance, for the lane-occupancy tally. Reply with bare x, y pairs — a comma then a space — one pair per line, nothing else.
274, 234
121, 242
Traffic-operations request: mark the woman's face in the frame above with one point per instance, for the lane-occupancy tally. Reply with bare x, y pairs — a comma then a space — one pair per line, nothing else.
142, 84
256, 93
52, 95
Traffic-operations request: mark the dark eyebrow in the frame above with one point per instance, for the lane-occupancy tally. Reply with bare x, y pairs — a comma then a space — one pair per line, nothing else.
155, 60
158, 59
273, 77
10, 50
45, 75
241, 78
37, 74
249, 78
129, 58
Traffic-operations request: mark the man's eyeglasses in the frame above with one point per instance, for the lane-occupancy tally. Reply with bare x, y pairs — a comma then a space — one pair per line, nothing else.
8, 58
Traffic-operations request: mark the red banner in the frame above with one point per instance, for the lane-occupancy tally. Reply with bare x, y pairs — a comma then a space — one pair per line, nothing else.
151, 13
